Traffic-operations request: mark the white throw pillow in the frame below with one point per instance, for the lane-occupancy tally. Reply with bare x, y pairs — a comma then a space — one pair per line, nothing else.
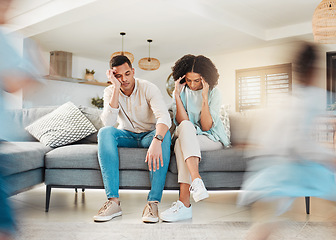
64, 125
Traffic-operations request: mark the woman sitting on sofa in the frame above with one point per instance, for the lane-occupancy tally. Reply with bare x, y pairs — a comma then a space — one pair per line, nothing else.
199, 128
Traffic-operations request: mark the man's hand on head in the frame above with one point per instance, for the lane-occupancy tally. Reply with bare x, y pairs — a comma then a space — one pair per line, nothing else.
110, 75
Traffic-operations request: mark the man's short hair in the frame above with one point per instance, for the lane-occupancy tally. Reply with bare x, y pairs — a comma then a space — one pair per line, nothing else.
120, 60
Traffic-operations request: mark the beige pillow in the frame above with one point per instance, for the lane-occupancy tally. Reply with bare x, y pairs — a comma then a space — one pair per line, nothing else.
240, 125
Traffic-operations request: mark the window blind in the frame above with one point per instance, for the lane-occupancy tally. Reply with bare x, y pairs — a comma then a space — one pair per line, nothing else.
261, 87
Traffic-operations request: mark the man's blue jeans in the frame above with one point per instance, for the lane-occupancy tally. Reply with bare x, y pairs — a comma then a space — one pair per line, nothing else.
109, 139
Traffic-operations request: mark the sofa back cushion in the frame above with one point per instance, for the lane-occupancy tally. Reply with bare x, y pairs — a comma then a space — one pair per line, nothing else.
63, 126
22, 118
240, 125
245, 127
93, 114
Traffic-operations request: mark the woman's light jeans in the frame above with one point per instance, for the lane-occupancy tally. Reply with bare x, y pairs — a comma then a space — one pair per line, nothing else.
189, 144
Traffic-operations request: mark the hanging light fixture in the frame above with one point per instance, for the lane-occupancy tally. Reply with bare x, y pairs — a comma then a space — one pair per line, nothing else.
127, 54
324, 22
149, 63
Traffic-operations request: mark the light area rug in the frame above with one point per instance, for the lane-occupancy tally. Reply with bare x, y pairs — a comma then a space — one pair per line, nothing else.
171, 231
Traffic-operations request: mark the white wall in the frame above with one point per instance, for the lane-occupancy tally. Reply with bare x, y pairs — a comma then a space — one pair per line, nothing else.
79, 64
271, 55
56, 92
229, 63
158, 77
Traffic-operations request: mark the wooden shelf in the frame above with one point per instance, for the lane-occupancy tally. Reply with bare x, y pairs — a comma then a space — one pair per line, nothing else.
96, 83
76, 80
64, 79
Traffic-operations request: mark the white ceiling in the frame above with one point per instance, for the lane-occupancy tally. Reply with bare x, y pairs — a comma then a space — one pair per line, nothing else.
90, 28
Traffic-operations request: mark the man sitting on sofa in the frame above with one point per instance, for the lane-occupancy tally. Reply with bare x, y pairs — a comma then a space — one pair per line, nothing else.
138, 106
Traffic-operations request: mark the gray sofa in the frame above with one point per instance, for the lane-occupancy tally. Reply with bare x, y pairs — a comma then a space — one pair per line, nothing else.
76, 165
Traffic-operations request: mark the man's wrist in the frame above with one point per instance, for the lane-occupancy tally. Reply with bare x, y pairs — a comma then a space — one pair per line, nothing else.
117, 88
158, 137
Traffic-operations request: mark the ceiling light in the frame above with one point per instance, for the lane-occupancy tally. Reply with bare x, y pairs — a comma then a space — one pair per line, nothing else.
127, 54
324, 22
149, 63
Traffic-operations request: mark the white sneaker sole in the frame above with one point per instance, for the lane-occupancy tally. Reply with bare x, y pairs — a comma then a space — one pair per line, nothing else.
150, 220
200, 197
175, 219
106, 218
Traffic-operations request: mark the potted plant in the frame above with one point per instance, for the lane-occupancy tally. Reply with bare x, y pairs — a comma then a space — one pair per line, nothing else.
98, 102
89, 75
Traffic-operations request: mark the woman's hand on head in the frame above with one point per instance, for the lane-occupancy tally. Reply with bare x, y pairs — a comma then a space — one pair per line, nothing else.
205, 89
179, 86
110, 75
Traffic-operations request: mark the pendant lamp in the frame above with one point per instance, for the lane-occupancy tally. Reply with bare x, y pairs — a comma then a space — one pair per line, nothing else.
127, 54
324, 22
149, 63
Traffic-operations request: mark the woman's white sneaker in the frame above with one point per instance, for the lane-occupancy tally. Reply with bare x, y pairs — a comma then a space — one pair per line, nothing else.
177, 212
198, 190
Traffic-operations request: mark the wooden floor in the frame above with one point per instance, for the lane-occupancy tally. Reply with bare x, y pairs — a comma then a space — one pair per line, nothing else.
67, 206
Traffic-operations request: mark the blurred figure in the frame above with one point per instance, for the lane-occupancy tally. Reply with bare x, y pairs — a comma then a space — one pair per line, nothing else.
288, 162
15, 73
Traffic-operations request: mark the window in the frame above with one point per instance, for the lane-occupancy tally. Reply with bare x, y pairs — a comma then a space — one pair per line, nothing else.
331, 77
261, 87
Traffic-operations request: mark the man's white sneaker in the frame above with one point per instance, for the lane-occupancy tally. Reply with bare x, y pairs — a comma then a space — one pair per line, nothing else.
177, 212
198, 190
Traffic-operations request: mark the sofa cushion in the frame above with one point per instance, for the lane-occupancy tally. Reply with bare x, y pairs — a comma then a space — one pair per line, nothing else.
64, 125
85, 156
82, 156
240, 125
21, 118
22, 181
230, 159
133, 158
74, 177
93, 115
22, 156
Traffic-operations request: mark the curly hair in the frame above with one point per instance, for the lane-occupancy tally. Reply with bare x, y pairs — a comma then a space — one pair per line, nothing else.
197, 64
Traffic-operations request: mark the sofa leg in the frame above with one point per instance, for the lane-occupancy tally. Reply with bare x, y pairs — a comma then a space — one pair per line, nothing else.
307, 204
76, 190
48, 192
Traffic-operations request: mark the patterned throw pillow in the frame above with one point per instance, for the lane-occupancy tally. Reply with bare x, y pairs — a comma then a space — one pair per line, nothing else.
225, 119
64, 125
